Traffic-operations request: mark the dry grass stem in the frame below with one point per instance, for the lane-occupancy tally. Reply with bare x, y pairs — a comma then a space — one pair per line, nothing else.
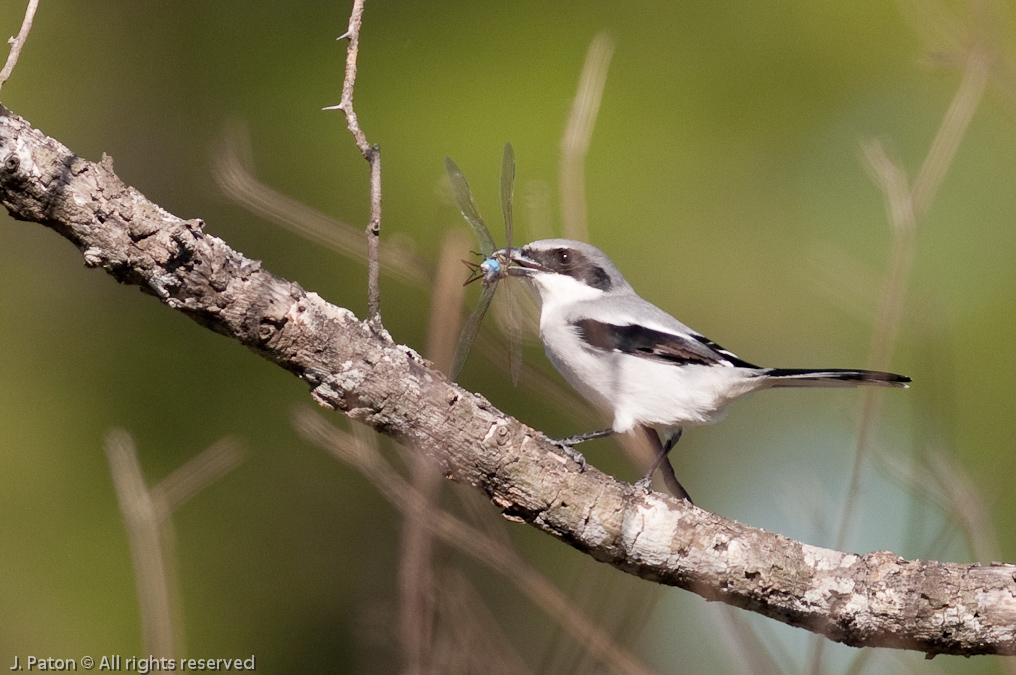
467, 539
144, 520
842, 281
234, 173
417, 585
756, 657
954, 126
198, 473
906, 205
473, 641
146, 514
447, 301
577, 136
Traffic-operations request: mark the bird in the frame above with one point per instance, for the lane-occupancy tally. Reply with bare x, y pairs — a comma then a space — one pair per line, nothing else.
633, 360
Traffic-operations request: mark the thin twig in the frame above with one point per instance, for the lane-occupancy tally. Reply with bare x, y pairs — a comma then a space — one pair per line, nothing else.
372, 153
18, 42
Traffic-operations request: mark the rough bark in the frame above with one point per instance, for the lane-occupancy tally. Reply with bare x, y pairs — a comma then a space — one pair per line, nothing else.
878, 599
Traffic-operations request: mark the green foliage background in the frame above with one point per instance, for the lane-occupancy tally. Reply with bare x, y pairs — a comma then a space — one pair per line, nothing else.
724, 177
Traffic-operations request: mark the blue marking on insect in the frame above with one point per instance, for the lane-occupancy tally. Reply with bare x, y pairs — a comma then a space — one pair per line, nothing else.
491, 269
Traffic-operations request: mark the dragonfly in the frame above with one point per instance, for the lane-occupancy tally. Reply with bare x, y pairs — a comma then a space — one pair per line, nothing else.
494, 266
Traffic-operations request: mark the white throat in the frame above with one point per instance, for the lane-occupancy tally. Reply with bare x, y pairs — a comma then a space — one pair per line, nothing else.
560, 289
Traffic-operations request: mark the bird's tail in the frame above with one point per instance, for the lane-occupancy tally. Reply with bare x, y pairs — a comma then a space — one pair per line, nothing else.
803, 377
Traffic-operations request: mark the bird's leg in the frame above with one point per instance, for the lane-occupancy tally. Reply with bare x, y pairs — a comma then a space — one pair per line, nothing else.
582, 438
669, 477
663, 462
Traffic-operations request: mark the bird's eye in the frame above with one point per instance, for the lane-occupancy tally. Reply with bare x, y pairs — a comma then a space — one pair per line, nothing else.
563, 256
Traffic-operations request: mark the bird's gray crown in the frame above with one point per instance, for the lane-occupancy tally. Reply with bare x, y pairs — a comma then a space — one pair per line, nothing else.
579, 260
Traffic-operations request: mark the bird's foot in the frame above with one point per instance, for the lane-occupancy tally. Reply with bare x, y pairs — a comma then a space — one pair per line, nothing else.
567, 444
574, 455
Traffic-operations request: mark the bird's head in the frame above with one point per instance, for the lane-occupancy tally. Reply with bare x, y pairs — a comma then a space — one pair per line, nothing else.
562, 270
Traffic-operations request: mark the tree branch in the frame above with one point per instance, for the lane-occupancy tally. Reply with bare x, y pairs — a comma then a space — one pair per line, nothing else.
878, 599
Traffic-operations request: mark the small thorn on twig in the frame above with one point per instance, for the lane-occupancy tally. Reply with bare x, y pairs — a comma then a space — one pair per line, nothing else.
17, 43
334, 107
345, 36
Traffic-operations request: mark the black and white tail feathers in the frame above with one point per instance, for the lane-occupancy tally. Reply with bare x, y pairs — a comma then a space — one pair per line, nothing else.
803, 377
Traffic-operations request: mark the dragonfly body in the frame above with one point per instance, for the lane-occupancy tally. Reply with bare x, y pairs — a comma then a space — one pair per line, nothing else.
495, 264
492, 270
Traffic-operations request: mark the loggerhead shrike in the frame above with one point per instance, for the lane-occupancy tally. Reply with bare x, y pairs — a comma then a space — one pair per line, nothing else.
630, 358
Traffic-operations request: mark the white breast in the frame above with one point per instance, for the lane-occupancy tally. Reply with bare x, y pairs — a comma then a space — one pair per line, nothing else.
637, 390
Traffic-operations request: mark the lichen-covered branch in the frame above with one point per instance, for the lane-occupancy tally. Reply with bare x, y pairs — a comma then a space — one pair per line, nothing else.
876, 599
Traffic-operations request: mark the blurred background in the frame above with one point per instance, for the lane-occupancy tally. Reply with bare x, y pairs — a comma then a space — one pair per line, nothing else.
729, 175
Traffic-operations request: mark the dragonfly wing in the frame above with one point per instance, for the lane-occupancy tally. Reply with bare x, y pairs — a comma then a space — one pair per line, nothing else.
464, 198
507, 188
514, 320
470, 329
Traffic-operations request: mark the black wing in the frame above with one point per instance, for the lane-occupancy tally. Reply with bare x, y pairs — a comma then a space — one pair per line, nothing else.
727, 355
657, 345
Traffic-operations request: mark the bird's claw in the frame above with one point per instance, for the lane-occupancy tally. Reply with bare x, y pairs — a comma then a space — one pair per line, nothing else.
645, 484
573, 454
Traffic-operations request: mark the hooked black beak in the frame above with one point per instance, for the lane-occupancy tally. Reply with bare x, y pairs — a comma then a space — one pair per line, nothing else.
523, 266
